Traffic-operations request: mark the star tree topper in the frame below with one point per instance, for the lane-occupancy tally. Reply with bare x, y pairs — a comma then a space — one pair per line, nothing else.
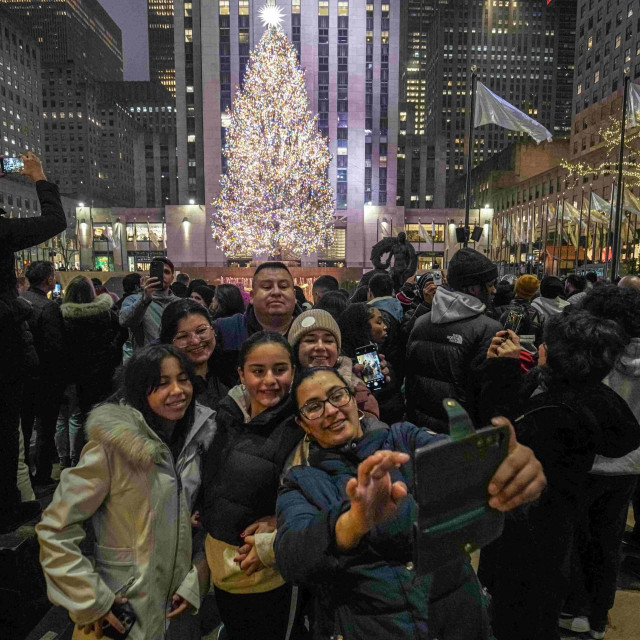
271, 15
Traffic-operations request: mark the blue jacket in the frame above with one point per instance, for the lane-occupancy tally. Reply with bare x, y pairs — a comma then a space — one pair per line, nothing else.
372, 590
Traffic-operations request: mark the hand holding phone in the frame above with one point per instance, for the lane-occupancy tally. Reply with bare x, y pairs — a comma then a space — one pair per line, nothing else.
372, 374
125, 617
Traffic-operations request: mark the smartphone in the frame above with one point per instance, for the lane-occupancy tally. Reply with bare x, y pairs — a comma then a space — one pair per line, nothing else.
156, 270
12, 165
372, 374
513, 321
452, 492
436, 277
127, 617
57, 291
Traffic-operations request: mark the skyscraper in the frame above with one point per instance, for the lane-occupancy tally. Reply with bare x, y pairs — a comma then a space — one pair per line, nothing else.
606, 44
78, 31
162, 67
413, 149
519, 54
350, 53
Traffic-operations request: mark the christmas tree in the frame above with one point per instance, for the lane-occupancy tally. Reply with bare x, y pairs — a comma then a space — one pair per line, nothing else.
275, 197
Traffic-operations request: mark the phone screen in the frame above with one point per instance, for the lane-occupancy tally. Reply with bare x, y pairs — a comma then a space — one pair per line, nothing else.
372, 373
57, 290
12, 165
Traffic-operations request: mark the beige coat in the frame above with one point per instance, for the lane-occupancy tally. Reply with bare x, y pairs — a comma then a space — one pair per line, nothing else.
127, 486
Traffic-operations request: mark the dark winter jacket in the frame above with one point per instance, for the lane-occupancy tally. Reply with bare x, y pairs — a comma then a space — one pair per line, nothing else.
234, 330
47, 328
442, 352
243, 465
566, 427
16, 234
210, 391
372, 590
415, 311
91, 331
532, 320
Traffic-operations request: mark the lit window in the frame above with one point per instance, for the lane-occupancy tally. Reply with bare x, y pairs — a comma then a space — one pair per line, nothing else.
579, 91
188, 35
223, 7
343, 7
295, 6
323, 7
191, 138
243, 7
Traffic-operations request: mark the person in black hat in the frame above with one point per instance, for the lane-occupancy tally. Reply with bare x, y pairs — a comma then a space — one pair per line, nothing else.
445, 342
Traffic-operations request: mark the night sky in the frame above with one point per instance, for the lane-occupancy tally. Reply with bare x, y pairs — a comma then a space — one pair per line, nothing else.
131, 17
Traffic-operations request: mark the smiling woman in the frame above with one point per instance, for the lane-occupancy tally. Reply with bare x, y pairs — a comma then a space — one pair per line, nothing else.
256, 434
137, 442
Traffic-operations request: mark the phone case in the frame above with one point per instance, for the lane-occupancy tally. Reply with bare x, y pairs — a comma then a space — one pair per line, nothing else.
452, 479
127, 616
156, 271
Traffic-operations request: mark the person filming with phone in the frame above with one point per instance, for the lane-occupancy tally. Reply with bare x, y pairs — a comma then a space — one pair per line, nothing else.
142, 313
16, 341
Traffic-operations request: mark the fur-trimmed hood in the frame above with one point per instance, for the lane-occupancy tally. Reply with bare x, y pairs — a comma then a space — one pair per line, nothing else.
99, 305
121, 427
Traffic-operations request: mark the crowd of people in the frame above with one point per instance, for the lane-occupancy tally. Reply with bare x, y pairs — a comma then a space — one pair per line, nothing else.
229, 452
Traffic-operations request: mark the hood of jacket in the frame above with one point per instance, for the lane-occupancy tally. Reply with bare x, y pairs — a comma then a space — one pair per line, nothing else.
240, 396
449, 306
163, 297
550, 306
389, 304
122, 427
629, 362
99, 305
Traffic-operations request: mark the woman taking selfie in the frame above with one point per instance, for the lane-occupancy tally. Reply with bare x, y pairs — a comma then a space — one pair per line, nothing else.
255, 435
136, 482
345, 524
187, 326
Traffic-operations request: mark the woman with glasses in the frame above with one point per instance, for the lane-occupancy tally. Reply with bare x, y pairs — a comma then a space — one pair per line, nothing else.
256, 433
187, 326
345, 523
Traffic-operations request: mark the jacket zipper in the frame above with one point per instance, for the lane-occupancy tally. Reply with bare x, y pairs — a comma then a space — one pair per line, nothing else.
175, 550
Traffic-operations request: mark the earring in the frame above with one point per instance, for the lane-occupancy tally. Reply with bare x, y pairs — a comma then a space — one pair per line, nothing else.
360, 415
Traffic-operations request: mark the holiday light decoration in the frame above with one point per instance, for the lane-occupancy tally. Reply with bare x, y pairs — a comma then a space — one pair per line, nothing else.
275, 198
610, 139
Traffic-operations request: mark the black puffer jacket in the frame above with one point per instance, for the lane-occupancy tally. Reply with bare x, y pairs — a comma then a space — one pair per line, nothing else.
243, 465
440, 358
91, 332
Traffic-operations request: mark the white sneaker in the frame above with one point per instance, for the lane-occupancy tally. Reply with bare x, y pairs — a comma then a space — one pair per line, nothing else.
596, 635
579, 624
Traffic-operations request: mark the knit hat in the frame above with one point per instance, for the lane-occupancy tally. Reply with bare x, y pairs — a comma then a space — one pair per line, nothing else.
551, 287
526, 286
469, 267
313, 320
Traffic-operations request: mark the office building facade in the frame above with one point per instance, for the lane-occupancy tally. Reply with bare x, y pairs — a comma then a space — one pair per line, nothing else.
350, 53
162, 67
155, 163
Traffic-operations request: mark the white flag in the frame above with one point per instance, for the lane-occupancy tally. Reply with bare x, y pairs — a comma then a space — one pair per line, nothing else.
633, 115
491, 108
424, 233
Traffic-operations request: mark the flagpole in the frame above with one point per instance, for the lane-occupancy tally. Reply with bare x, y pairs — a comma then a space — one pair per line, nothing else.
586, 238
467, 201
579, 230
433, 242
419, 236
608, 232
546, 234
615, 261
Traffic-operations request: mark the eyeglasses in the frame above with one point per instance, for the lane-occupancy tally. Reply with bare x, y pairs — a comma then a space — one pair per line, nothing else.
202, 333
314, 409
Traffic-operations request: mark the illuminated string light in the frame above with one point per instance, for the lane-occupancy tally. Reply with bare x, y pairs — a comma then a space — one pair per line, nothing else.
275, 197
